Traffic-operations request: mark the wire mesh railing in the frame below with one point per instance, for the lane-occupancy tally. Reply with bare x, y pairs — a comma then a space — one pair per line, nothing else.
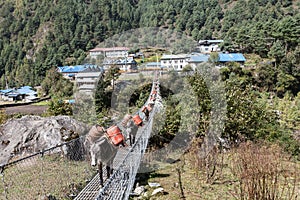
63, 171
120, 184
59, 172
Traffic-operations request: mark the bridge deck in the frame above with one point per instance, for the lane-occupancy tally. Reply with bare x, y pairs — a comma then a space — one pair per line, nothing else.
119, 186
92, 189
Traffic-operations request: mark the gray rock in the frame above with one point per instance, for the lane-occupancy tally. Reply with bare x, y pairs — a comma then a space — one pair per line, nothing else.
157, 191
139, 190
32, 134
154, 184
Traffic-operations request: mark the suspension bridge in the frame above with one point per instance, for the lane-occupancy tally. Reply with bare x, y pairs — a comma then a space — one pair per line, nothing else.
37, 177
126, 162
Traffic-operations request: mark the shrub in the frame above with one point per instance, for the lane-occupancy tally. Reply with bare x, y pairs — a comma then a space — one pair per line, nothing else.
263, 172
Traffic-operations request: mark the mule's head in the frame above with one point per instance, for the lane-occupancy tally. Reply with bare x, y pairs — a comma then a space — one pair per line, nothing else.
94, 153
102, 151
97, 151
93, 158
93, 135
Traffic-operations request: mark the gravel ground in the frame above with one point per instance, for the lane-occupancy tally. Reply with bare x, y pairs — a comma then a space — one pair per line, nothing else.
27, 109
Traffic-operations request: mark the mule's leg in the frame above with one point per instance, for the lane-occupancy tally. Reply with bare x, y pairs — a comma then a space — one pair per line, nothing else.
130, 140
100, 171
109, 168
133, 139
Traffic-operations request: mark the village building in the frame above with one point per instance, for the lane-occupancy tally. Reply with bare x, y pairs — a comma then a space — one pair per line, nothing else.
126, 64
86, 80
195, 59
174, 62
178, 62
153, 66
70, 72
25, 93
225, 58
113, 52
208, 46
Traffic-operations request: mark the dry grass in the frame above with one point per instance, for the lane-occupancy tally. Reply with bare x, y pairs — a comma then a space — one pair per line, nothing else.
227, 181
38, 177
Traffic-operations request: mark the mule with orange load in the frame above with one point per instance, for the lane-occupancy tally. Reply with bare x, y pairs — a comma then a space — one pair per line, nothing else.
132, 123
102, 146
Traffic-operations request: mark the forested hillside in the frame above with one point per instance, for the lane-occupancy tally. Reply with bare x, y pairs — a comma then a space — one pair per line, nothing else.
37, 34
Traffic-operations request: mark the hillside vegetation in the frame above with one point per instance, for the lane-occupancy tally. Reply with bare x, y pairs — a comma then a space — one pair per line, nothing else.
37, 35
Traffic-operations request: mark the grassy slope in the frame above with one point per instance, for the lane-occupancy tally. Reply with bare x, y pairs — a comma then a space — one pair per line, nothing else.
194, 183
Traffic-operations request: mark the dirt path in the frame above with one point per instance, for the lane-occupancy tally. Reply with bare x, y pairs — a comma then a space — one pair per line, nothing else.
27, 109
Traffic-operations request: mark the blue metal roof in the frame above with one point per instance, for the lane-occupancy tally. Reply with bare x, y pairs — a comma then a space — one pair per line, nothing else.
199, 58
6, 91
231, 57
25, 90
75, 69
153, 64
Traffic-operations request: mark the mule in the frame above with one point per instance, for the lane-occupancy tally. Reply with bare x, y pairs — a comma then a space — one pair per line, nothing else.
132, 124
131, 130
100, 150
102, 153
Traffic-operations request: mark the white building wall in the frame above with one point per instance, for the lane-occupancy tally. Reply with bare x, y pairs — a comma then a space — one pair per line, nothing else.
110, 54
86, 81
174, 64
209, 49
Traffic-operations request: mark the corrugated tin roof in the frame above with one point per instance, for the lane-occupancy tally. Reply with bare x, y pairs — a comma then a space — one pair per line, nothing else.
179, 56
194, 58
75, 69
231, 57
72, 69
154, 64
88, 74
6, 91
110, 49
210, 41
93, 69
26, 90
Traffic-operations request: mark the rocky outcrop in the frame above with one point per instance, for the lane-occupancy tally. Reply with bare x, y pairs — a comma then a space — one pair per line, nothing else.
31, 134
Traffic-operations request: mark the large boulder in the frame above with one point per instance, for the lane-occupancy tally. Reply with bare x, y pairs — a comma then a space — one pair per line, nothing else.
32, 134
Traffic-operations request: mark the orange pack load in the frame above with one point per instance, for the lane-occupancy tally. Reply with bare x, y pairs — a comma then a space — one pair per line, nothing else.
154, 92
137, 120
115, 135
